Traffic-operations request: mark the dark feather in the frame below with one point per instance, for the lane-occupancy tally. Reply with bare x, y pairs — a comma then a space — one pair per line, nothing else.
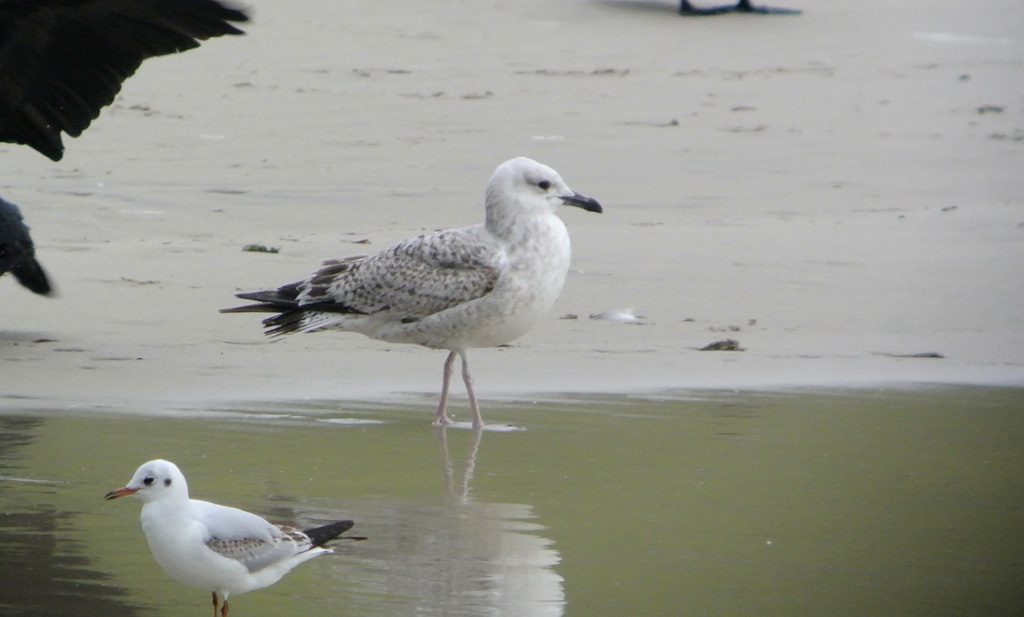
62, 61
253, 308
17, 252
32, 276
322, 535
294, 320
283, 298
411, 280
287, 322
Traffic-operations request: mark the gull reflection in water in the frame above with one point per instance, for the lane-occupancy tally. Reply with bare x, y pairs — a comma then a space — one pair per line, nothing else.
461, 496
464, 558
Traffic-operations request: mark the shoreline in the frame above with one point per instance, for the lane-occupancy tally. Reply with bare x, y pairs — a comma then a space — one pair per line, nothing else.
822, 188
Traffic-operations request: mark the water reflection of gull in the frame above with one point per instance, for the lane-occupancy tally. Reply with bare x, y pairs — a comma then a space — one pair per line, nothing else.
517, 577
462, 497
465, 558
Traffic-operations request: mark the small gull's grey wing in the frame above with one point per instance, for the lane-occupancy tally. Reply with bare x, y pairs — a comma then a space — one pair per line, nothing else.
411, 280
258, 553
246, 537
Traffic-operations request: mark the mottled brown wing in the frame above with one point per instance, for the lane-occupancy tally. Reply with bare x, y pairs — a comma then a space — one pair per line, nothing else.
412, 280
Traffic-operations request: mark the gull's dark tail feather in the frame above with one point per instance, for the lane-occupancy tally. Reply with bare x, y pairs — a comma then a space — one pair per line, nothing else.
271, 301
290, 316
252, 308
322, 535
284, 298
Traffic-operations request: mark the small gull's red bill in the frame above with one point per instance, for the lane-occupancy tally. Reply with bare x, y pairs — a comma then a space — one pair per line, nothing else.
121, 492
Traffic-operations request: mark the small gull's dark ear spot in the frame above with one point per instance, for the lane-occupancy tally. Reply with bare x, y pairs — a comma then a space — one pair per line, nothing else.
167, 482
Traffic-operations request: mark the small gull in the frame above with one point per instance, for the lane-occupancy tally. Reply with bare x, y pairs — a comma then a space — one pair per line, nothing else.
223, 550
478, 286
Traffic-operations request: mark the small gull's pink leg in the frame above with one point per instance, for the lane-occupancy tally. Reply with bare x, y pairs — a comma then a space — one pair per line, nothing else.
478, 422
215, 605
440, 417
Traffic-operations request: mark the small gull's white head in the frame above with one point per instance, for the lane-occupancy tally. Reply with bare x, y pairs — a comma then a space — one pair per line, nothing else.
153, 481
524, 185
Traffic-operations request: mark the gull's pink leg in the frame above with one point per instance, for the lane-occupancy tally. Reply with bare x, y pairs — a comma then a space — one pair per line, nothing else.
215, 605
440, 417
478, 422
224, 609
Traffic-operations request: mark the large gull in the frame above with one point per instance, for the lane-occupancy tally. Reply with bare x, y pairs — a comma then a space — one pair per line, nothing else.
477, 286
61, 61
223, 550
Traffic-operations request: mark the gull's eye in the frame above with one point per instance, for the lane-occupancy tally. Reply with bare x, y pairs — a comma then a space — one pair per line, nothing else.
149, 480
544, 185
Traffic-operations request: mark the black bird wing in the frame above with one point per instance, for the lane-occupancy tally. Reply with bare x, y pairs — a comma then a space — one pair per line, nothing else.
62, 61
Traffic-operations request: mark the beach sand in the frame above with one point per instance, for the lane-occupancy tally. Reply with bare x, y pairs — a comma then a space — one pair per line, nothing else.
831, 190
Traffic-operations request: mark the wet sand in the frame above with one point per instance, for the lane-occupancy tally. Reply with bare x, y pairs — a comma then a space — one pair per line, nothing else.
832, 190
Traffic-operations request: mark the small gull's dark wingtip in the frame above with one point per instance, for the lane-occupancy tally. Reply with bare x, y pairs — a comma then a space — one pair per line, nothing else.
324, 534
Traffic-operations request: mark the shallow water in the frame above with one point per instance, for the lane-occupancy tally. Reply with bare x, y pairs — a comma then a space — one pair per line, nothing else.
853, 503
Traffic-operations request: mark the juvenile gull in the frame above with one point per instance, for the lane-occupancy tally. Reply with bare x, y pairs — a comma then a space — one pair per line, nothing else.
477, 286
220, 549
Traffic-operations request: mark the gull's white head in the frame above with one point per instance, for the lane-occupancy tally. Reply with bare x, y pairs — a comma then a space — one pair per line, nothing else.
523, 184
155, 480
